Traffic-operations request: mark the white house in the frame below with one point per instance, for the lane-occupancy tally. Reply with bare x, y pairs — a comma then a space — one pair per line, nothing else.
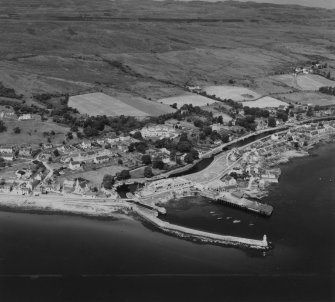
25, 117
101, 159
8, 150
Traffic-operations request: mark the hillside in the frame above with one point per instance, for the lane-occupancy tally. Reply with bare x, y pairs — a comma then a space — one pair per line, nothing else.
153, 49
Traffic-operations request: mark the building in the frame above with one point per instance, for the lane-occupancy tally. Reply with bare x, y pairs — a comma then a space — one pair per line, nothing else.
7, 150
101, 159
25, 117
86, 144
74, 165
170, 184
158, 131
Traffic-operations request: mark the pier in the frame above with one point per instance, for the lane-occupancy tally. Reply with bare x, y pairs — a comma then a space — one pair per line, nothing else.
243, 203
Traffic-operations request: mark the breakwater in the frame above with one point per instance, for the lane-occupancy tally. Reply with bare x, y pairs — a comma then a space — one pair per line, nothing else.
201, 236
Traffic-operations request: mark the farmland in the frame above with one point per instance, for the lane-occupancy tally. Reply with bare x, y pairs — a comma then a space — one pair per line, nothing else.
315, 98
264, 102
194, 99
102, 104
304, 82
238, 94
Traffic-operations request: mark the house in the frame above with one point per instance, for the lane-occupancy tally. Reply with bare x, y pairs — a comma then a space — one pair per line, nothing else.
7, 150
74, 165
158, 131
25, 152
86, 144
5, 188
80, 187
25, 117
47, 146
101, 159
229, 181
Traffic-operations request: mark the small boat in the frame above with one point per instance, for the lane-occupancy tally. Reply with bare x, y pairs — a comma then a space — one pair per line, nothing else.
212, 212
251, 224
236, 221
219, 218
228, 217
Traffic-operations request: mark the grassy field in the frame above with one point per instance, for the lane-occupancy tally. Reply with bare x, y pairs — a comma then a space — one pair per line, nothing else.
194, 99
265, 102
238, 94
95, 177
314, 98
153, 49
304, 82
103, 104
32, 132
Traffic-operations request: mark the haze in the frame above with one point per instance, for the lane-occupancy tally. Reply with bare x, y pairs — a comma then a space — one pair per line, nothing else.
330, 4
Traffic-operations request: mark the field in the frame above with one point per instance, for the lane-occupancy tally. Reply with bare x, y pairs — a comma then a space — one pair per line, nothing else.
96, 176
153, 49
102, 104
194, 99
304, 82
315, 98
265, 102
238, 94
32, 132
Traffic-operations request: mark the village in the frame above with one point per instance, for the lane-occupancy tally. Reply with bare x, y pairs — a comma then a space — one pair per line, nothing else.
95, 167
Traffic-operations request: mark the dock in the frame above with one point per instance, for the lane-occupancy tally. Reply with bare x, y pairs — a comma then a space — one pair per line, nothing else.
243, 203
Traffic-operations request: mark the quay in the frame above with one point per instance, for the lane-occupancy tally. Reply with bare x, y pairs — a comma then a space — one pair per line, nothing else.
243, 203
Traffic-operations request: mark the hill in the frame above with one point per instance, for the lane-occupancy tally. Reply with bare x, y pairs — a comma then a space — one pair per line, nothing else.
153, 49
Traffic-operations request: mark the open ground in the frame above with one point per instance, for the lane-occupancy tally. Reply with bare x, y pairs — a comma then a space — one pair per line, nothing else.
154, 49
238, 94
194, 99
265, 102
314, 98
304, 82
102, 104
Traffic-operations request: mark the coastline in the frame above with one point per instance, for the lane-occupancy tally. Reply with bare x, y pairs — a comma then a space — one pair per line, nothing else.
118, 209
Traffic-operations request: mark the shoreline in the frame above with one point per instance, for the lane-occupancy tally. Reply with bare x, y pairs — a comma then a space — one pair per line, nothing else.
108, 209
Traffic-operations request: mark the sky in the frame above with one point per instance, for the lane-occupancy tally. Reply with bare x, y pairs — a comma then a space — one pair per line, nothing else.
313, 3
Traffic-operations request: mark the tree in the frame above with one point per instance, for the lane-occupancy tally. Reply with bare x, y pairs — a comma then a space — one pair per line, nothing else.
69, 135
146, 159
3, 127
90, 132
17, 130
188, 158
108, 181
124, 174
225, 137
207, 131
309, 112
174, 105
184, 146
138, 135
194, 153
120, 162
272, 121
2, 162
56, 152
148, 172
158, 164
74, 128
